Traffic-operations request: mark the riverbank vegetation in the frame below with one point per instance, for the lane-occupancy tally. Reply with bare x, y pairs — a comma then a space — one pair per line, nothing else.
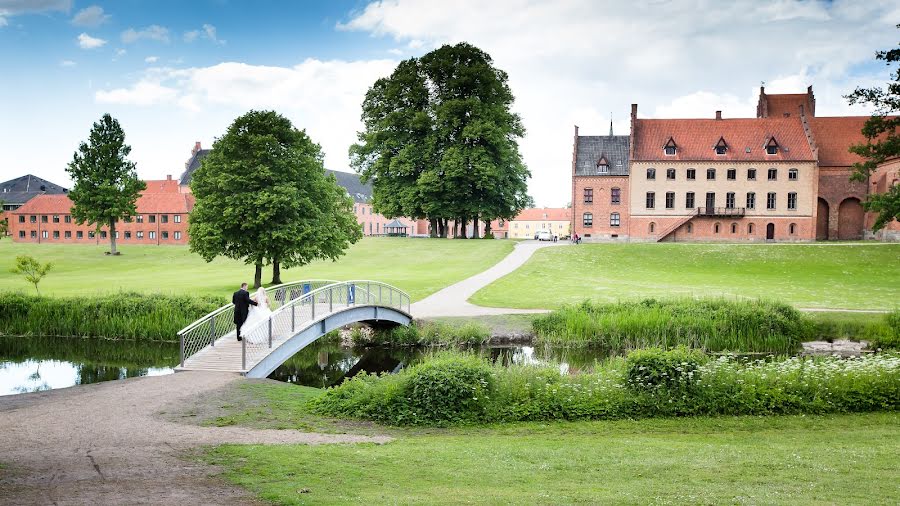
422, 333
454, 388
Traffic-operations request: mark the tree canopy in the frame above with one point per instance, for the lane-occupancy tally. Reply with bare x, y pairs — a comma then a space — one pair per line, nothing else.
106, 182
262, 196
440, 141
882, 139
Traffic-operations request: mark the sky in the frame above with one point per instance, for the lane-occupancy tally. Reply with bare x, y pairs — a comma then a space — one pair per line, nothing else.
176, 72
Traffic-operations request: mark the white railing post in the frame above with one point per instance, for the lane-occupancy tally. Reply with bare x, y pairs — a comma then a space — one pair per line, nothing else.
313, 307
293, 316
181, 338
330, 300
244, 353
270, 332
212, 330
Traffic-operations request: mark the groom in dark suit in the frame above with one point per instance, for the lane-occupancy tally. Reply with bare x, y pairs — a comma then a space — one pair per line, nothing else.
242, 301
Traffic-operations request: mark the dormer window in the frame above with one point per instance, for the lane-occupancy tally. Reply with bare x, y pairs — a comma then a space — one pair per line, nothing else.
721, 146
670, 147
603, 165
772, 147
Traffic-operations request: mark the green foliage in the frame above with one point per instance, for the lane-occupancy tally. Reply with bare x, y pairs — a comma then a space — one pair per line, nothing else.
450, 388
619, 388
882, 139
33, 270
708, 324
4, 224
263, 197
125, 315
425, 333
440, 140
106, 182
890, 337
654, 368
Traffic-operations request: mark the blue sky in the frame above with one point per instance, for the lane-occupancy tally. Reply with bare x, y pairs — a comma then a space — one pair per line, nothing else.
178, 72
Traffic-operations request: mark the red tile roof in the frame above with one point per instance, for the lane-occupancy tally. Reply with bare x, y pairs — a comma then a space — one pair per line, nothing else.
46, 204
696, 139
834, 136
147, 203
552, 214
161, 186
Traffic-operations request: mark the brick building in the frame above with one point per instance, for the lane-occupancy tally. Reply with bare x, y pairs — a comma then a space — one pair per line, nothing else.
162, 212
781, 176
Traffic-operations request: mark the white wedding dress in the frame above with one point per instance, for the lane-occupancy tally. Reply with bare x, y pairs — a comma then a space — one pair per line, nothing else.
254, 328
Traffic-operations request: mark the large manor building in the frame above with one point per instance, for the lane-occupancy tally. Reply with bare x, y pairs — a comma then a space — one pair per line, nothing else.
781, 176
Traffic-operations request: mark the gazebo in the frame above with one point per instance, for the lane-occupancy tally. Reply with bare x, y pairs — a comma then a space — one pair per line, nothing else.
395, 229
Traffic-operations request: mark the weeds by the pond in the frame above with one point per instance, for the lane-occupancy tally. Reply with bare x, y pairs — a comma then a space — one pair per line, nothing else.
423, 333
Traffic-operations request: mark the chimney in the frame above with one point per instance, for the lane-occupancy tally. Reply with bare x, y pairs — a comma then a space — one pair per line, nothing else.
718, 114
168, 177
196, 148
633, 112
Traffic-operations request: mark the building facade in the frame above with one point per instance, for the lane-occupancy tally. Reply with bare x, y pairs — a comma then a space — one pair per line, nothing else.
600, 190
530, 222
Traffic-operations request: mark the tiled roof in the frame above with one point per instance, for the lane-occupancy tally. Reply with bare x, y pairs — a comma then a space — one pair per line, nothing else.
22, 189
538, 214
147, 203
46, 204
592, 147
834, 136
696, 139
161, 186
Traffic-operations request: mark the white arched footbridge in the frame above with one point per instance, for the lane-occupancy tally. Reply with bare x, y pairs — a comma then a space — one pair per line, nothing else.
303, 312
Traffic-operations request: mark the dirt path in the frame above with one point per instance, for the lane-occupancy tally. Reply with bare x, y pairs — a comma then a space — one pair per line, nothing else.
108, 444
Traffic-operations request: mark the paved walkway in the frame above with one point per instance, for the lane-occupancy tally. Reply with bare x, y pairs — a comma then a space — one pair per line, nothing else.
107, 443
453, 300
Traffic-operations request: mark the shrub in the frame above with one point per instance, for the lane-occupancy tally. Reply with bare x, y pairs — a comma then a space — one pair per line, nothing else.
890, 338
427, 333
449, 388
654, 368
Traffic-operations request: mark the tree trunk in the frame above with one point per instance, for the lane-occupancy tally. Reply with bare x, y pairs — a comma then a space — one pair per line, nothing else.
257, 277
464, 228
433, 228
276, 272
444, 225
487, 227
112, 237
475, 229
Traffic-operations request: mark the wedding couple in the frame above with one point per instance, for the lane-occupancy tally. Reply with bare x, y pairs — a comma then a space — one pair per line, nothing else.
246, 318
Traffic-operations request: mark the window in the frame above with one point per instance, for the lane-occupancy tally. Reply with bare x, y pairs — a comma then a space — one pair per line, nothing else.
33, 219
152, 234
710, 174
792, 228
67, 218
68, 234
139, 234
792, 201
651, 200
750, 228
689, 200
751, 174
772, 147
770, 201
103, 234
177, 236
710, 200
176, 218
692, 174
588, 195
732, 174
127, 235
370, 228
91, 235
792, 174
56, 234
43, 218
164, 218
117, 235
717, 227
751, 200
151, 218
355, 210
139, 218
652, 227
603, 168
651, 173
670, 200
690, 228
615, 196
729, 200
34, 234
670, 174
55, 218
21, 218
44, 234
720, 150
670, 148
773, 174
587, 219
614, 220
21, 234
734, 228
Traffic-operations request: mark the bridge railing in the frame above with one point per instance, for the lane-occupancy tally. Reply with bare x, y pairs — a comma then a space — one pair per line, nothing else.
206, 330
315, 305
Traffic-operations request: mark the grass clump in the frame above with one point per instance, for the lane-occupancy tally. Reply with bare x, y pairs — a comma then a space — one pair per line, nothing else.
881, 331
707, 324
455, 388
425, 333
152, 317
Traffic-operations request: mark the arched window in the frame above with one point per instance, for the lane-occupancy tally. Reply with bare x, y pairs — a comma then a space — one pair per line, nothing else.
651, 173
750, 228
792, 228
652, 227
588, 220
716, 228
734, 228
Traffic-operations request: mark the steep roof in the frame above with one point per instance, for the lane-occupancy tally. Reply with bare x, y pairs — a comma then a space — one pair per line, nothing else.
545, 214
696, 139
192, 165
591, 148
161, 186
834, 136
22, 189
147, 203
46, 204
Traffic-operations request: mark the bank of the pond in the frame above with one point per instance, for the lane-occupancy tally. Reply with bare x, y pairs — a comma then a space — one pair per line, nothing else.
153, 317
454, 388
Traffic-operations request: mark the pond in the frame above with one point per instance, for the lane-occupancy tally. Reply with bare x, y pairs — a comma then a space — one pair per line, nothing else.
31, 364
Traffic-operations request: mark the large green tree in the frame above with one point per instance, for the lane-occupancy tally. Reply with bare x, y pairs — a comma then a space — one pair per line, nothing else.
106, 182
441, 142
262, 196
882, 139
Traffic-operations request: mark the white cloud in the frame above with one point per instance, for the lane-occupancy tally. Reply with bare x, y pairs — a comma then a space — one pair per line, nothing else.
10, 8
395, 51
67, 63
151, 59
143, 93
570, 62
85, 41
152, 32
207, 32
92, 16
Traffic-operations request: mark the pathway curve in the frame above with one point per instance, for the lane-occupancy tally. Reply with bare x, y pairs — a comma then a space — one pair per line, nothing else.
107, 443
453, 300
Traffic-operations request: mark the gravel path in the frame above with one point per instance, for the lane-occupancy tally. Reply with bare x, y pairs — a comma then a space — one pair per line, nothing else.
453, 300
107, 443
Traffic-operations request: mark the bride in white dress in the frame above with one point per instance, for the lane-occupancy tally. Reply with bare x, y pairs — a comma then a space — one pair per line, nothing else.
258, 314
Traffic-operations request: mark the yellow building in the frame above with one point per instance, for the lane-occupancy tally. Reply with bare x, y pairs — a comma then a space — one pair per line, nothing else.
531, 221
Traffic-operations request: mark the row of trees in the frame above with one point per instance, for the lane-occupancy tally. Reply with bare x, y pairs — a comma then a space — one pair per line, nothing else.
441, 142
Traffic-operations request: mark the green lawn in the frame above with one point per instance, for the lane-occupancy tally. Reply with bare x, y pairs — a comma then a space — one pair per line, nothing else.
418, 266
846, 459
863, 276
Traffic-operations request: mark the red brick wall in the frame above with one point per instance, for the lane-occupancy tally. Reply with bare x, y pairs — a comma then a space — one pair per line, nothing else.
601, 207
702, 229
835, 187
158, 228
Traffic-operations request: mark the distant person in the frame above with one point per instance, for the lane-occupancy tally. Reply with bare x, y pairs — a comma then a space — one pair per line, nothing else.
242, 302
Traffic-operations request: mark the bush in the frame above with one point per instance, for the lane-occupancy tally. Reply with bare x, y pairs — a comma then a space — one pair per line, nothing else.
707, 324
890, 337
654, 368
153, 317
450, 388
426, 333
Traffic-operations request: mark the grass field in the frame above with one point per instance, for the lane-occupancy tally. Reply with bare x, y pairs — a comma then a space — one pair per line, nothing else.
844, 459
820, 276
418, 266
